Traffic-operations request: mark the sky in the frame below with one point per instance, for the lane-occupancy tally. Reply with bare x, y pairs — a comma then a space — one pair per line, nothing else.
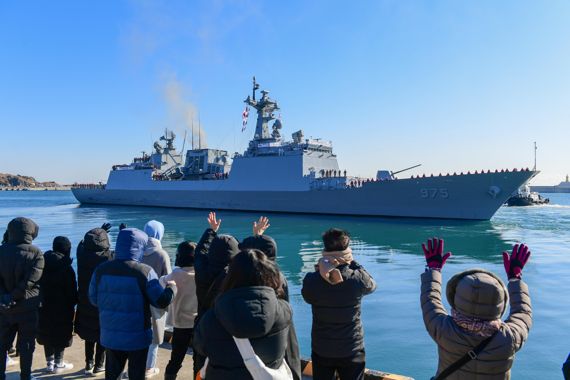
451, 85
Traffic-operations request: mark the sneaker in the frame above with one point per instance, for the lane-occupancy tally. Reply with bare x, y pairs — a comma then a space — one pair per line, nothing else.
151, 372
99, 369
88, 368
59, 368
50, 367
125, 375
10, 361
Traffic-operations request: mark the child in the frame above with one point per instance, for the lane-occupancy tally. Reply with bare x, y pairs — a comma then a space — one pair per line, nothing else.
184, 307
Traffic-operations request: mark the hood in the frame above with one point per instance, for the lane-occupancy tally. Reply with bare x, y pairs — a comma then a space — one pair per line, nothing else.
478, 293
248, 312
131, 243
62, 245
22, 230
264, 243
154, 229
151, 246
56, 261
222, 250
96, 240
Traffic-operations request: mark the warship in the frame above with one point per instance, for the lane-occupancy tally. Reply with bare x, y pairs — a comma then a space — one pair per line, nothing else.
300, 175
562, 187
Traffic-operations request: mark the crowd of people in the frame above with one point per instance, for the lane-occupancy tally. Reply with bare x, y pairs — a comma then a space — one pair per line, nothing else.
228, 301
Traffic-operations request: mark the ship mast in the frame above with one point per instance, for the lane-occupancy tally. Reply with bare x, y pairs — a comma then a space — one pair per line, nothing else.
535, 148
265, 108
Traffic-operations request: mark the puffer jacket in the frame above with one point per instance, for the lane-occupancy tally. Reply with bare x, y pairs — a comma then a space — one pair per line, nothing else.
59, 297
268, 245
21, 267
487, 296
213, 254
92, 251
337, 328
252, 312
123, 290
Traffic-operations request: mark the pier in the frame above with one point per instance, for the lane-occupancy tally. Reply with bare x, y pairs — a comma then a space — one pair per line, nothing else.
75, 355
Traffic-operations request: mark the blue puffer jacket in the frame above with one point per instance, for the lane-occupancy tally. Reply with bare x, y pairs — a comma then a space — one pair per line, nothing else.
123, 291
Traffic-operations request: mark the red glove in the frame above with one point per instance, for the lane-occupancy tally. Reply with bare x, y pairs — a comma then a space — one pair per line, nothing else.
515, 263
434, 253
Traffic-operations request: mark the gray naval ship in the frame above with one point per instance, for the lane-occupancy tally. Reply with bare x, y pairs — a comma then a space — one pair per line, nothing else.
300, 175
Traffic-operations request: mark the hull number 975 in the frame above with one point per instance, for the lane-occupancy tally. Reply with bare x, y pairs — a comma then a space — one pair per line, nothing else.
434, 192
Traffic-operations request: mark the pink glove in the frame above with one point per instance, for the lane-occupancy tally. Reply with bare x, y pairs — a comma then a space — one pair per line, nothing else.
515, 263
434, 253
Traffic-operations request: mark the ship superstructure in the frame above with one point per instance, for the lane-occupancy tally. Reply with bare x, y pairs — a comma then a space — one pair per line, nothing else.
300, 175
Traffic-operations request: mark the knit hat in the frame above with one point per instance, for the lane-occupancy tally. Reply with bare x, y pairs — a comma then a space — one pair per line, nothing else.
61, 244
478, 293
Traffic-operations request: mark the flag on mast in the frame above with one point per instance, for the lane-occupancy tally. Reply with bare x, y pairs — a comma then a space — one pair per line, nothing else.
244, 116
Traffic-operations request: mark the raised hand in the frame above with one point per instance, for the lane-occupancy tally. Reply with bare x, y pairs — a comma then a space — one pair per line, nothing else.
435, 258
260, 226
106, 226
515, 262
213, 222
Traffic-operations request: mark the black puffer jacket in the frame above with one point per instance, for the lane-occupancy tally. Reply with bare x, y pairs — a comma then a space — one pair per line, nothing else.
213, 254
337, 329
59, 297
253, 312
93, 251
21, 267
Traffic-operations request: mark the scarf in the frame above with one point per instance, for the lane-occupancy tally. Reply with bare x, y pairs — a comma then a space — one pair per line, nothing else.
475, 325
328, 263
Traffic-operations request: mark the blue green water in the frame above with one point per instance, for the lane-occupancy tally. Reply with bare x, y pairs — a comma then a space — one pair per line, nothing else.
396, 340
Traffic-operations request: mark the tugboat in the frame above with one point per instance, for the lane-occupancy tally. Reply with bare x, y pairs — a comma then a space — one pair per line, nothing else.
525, 197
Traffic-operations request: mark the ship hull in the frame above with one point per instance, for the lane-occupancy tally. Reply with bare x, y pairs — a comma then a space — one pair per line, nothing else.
470, 196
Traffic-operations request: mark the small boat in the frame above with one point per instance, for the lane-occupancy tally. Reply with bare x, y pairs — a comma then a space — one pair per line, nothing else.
525, 197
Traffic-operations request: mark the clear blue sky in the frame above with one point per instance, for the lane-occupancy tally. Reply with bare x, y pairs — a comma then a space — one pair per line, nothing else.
454, 85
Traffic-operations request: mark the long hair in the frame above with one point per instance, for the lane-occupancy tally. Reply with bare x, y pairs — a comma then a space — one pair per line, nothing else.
252, 268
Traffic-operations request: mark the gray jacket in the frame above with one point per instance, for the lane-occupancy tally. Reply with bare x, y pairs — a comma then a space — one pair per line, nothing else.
157, 258
473, 287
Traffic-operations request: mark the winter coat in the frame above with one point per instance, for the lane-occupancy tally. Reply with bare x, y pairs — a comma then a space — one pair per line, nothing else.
93, 251
251, 312
213, 254
184, 308
157, 258
337, 328
21, 267
123, 290
487, 295
59, 297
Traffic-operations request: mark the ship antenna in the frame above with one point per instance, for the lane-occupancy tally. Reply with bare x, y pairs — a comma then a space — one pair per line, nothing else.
535, 148
254, 88
192, 132
184, 143
199, 133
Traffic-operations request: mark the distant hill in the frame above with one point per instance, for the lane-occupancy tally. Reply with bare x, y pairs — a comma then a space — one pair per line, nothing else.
16, 180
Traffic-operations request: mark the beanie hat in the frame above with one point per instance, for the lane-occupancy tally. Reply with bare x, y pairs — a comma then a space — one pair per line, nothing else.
478, 293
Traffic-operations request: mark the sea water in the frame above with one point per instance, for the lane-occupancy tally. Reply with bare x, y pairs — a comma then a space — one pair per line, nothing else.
395, 337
